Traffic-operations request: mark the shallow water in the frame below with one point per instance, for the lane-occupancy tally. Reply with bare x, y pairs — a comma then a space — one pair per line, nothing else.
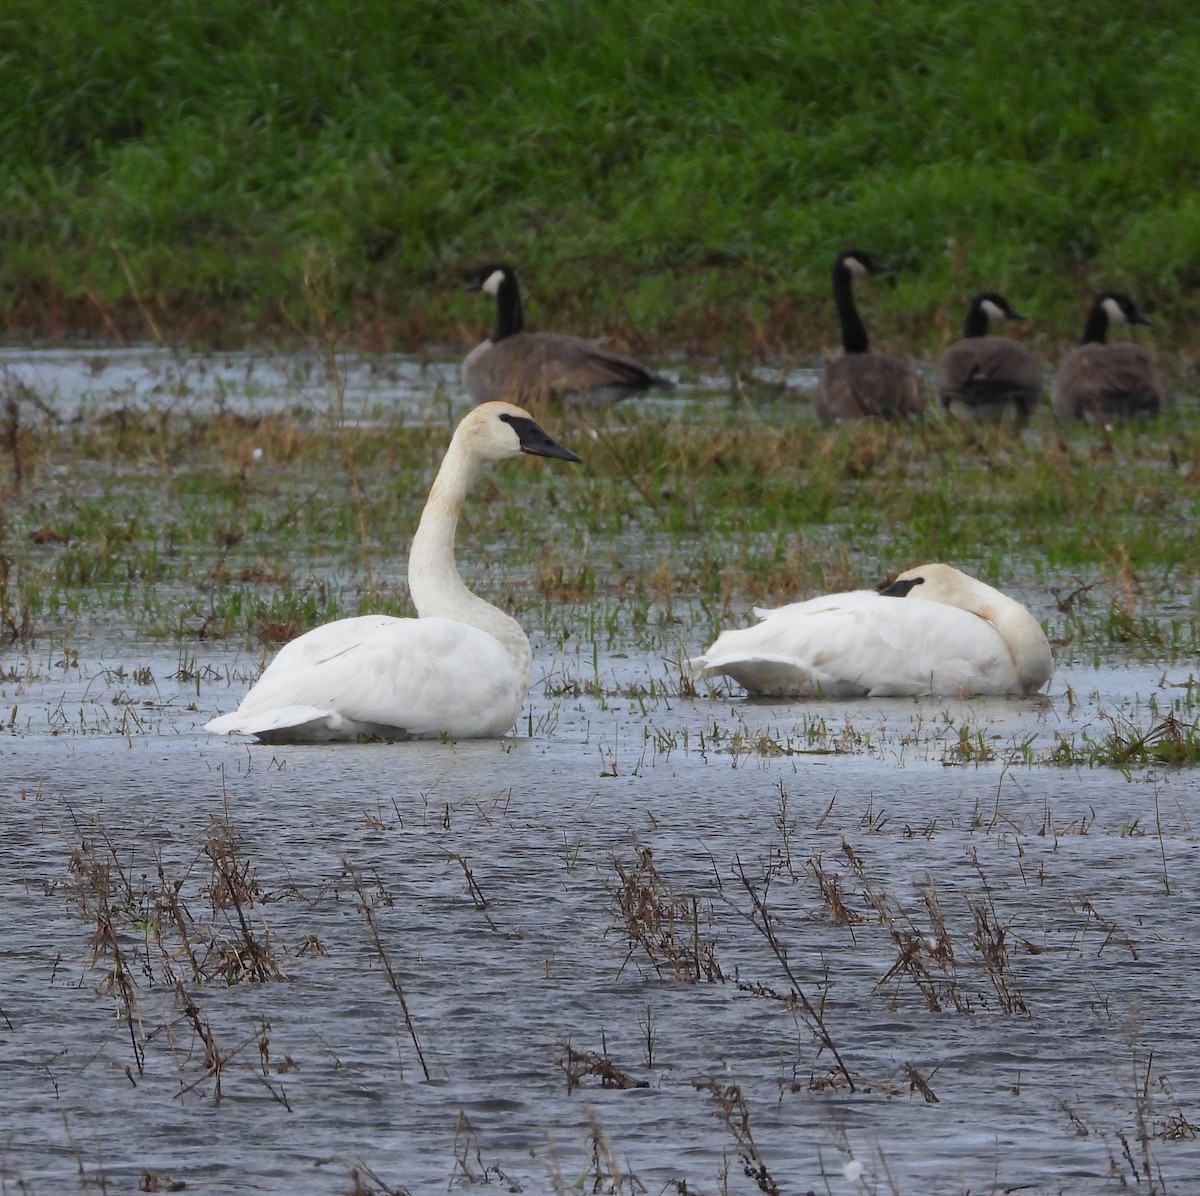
1050, 1019
1090, 874
89, 381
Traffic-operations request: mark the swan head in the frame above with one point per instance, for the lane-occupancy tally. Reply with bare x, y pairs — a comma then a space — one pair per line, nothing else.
938, 583
498, 431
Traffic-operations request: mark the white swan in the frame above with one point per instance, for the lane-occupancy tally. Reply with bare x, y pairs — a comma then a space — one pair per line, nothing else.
460, 668
934, 631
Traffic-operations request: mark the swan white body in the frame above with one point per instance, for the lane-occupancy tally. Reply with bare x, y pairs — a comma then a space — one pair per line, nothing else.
461, 668
960, 637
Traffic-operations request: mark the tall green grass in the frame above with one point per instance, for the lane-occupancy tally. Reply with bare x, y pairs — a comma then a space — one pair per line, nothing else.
687, 170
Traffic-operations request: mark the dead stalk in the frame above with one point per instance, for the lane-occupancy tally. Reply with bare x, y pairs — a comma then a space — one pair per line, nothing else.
367, 909
578, 1065
666, 926
761, 919
732, 1107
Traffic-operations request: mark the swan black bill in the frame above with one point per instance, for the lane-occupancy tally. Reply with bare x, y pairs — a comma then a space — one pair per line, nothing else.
900, 589
536, 442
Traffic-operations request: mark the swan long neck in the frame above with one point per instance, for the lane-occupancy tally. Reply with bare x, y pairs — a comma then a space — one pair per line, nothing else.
1023, 635
854, 331
434, 582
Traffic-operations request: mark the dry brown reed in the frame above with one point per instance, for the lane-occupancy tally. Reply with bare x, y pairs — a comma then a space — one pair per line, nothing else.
579, 1065
761, 918
366, 907
665, 925
735, 1113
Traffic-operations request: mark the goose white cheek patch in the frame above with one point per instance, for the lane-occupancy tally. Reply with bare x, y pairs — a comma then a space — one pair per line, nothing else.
1115, 312
491, 284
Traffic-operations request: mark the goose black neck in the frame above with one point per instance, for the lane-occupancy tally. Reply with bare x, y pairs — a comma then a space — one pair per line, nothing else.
854, 332
509, 317
1095, 331
977, 321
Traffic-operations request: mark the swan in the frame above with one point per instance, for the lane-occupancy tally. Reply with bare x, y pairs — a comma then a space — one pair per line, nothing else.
461, 668
1099, 381
934, 631
528, 367
862, 383
985, 377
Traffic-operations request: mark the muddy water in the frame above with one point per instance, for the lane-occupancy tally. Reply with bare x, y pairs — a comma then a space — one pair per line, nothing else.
998, 954
491, 872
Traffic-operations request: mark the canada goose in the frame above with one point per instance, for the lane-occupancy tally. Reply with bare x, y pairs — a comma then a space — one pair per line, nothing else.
532, 367
862, 383
984, 377
460, 668
933, 631
1099, 382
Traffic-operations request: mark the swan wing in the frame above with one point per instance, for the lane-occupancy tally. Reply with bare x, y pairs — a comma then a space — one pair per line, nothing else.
861, 643
385, 677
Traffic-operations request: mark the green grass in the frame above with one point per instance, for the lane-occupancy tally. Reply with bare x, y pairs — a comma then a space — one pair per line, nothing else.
680, 175
157, 525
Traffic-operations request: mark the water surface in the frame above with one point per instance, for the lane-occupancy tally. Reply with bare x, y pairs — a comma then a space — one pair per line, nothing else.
254, 968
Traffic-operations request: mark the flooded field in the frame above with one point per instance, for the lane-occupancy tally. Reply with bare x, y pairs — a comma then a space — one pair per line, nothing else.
655, 941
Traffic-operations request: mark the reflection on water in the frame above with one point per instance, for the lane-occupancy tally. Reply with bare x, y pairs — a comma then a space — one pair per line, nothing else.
1002, 956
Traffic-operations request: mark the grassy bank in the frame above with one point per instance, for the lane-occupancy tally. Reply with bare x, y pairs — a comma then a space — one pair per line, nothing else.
679, 175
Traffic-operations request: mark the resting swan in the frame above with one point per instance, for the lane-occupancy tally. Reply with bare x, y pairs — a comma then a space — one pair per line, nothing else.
933, 631
460, 668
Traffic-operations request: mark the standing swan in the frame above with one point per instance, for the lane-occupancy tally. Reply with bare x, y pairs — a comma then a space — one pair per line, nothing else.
530, 367
984, 377
1099, 381
933, 631
460, 668
862, 383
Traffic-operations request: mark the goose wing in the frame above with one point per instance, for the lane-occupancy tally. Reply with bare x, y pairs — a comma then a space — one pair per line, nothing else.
549, 365
858, 385
386, 677
861, 643
1107, 379
986, 368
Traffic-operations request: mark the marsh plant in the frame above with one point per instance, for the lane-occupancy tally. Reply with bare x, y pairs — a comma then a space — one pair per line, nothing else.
157, 932
670, 929
159, 523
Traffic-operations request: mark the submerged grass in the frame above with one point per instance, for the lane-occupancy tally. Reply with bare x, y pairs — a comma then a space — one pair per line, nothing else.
169, 522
